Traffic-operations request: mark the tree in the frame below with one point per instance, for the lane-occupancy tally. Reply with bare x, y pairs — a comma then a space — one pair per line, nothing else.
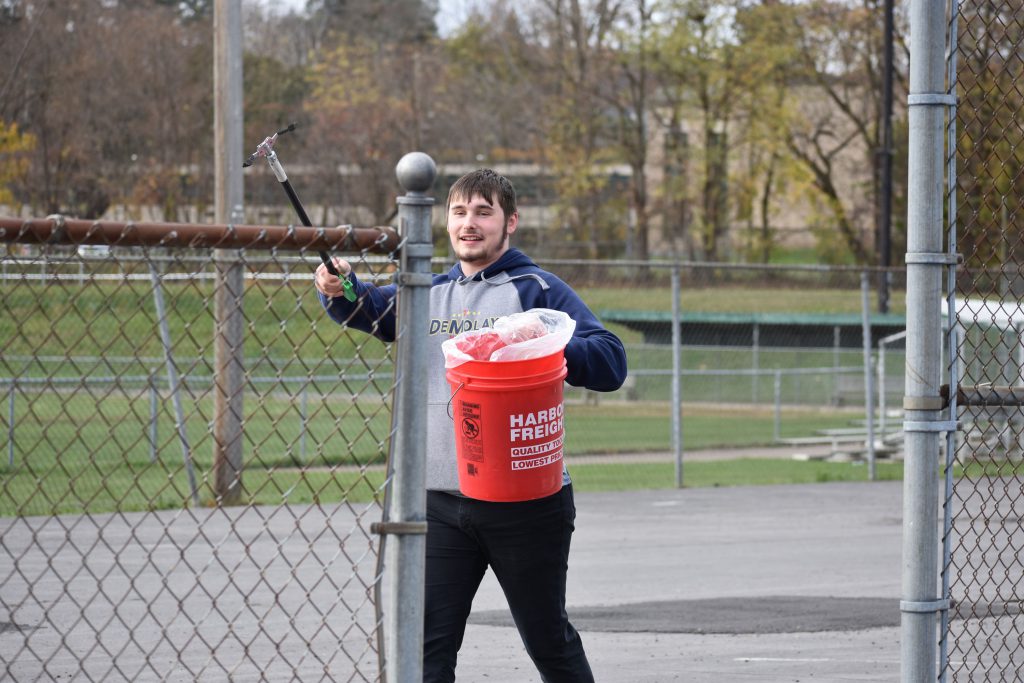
289, 38
699, 82
396, 21
841, 52
38, 92
368, 107
274, 95
768, 65
487, 109
569, 41
14, 149
125, 96
628, 90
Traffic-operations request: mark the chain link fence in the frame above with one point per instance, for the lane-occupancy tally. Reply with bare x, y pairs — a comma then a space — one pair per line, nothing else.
984, 558
121, 563
767, 355
126, 564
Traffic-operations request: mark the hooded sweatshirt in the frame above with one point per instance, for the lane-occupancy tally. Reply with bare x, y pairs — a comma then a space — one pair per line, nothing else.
595, 358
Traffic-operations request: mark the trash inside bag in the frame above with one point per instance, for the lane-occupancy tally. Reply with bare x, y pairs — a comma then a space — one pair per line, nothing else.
535, 333
478, 345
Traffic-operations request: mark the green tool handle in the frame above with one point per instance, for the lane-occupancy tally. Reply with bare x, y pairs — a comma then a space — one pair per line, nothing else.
350, 291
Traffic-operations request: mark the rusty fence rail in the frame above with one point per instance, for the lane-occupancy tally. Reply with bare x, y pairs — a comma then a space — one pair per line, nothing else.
120, 562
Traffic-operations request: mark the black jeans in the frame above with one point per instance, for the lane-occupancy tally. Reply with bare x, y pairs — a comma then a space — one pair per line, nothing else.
527, 546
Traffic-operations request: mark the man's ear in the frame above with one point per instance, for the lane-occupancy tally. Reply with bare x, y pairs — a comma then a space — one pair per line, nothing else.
513, 222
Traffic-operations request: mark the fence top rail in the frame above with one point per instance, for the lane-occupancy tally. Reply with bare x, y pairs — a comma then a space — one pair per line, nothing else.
58, 229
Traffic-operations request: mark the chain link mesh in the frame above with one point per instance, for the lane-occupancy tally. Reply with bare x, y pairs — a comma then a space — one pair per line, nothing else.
112, 570
770, 355
985, 564
107, 382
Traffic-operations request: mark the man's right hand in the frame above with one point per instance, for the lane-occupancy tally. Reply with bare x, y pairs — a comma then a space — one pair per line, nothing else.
329, 285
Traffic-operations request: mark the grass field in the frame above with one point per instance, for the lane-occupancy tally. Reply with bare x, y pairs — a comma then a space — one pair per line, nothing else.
735, 299
119, 320
88, 446
117, 428
285, 319
738, 472
104, 328
640, 427
76, 453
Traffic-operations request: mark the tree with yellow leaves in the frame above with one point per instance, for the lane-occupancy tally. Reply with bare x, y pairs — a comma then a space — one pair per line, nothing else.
14, 146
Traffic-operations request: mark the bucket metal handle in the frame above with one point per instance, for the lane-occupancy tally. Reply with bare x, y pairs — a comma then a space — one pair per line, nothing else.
450, 416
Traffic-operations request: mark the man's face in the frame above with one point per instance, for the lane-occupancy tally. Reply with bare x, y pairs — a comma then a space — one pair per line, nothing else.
478, 231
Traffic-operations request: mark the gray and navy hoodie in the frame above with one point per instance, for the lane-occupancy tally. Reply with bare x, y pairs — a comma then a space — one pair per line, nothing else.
595, 358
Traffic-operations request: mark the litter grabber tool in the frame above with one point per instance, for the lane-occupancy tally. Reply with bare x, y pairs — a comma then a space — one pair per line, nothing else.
266, 149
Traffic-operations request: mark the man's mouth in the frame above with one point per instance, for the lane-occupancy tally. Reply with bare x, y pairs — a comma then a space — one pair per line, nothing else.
471, 238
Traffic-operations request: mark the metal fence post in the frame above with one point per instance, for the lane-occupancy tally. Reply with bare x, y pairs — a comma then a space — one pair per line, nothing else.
880, 366
173, 380
836, 341
755, 376
925, 262
869, 389
303, 414
406, 518
777, 421
677, 367
154, 414
12, 383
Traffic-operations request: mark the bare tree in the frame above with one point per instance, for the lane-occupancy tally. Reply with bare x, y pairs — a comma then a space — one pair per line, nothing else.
368, 105
628, 89
841, 51
700, 84
569, 39
125, 93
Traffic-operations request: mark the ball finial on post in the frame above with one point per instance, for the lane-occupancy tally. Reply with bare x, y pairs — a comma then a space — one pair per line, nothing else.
416, 172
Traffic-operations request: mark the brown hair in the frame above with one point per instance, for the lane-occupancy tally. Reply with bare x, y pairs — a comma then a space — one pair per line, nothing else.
487, 184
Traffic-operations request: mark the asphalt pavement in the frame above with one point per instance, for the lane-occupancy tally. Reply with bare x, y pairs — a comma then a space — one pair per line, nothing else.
766, 583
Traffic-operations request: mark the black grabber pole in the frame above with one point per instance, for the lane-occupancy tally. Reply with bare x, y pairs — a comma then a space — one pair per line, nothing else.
266, 149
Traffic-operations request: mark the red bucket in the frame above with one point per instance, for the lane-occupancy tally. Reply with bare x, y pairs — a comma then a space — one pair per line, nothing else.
509, 427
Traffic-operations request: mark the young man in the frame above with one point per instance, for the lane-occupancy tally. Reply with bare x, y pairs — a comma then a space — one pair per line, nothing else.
526, 544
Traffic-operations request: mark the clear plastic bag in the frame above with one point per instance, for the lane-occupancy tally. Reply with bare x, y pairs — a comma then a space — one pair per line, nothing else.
535, 333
